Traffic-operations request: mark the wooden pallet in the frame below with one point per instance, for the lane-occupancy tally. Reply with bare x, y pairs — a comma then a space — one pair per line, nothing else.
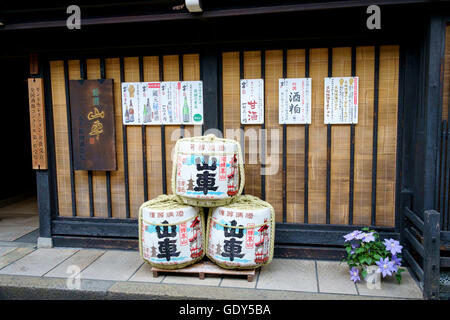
207, 267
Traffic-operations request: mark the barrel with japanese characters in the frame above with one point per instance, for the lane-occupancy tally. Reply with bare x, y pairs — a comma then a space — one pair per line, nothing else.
207, 171
171, 234
241, 235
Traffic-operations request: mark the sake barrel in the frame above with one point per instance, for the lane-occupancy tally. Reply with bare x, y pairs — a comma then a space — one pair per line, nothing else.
171, 234
240, 235
207, 171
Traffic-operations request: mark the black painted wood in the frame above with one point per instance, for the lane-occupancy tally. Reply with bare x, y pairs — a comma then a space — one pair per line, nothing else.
263, 130
306, 173
144, 138
431, 267
163, 134
352, 152
107, 173
415, 267
209, 74
375, 135
416, 221
125, 150
328, 181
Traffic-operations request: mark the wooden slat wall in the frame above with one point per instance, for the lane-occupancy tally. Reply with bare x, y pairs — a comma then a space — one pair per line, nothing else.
231, 95
318, 63
112, 67
134, 140
61, 138
252, 70
387, 133
446, 92
340, 146
296, 148
171, 73
274, 179
317, 162
153, 138
191, 71
365, 61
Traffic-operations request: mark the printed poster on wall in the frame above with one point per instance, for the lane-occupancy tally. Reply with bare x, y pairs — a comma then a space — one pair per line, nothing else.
252, 101
150, 103
341, 100
167, 102
294, 97
130, 103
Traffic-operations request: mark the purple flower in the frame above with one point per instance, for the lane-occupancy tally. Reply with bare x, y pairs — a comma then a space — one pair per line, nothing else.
396, 260
393, 246
360, 235
354, 274
352, 235
355, 245
386, 267
368, 237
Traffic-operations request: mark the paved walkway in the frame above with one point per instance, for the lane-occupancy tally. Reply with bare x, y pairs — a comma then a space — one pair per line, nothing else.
28, 272
124, 272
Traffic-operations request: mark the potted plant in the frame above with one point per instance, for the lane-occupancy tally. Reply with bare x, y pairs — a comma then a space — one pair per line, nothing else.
365, 248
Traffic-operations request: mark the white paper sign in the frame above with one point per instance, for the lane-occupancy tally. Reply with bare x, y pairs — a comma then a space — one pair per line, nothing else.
294, 98
252, 101
150, 104
167, 102
191, 100
341, 100
130, 103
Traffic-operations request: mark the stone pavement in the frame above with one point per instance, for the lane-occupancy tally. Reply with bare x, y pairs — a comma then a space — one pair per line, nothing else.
50, 273
28, 272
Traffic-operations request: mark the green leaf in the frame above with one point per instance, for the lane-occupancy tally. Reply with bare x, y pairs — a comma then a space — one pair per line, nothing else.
399, 278
364, 273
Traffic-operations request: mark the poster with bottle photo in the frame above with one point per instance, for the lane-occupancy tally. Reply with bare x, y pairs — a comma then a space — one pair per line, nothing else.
294, 101
169, 102
341, 100
191, 99
150, 104
252, 101
130, 103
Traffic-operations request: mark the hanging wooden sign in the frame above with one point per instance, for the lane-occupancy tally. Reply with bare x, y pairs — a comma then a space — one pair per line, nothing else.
93, 124
37, 123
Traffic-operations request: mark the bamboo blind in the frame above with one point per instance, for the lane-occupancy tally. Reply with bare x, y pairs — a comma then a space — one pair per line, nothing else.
340, 139
151, 72
317, 155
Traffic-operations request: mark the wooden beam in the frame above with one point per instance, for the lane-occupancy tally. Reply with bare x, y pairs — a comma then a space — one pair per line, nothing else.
219, 13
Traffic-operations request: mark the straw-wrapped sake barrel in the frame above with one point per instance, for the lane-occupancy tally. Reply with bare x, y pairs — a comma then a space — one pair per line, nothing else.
207, 171
171, 234
241, 235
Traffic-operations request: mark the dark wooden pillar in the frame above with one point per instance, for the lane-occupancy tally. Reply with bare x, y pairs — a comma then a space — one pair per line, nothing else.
429, 117
211, 75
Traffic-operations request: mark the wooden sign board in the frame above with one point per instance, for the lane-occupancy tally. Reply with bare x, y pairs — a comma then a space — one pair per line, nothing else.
93, 124
37, 123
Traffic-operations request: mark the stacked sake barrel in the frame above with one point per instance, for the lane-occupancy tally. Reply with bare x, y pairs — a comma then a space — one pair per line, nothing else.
208, 172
